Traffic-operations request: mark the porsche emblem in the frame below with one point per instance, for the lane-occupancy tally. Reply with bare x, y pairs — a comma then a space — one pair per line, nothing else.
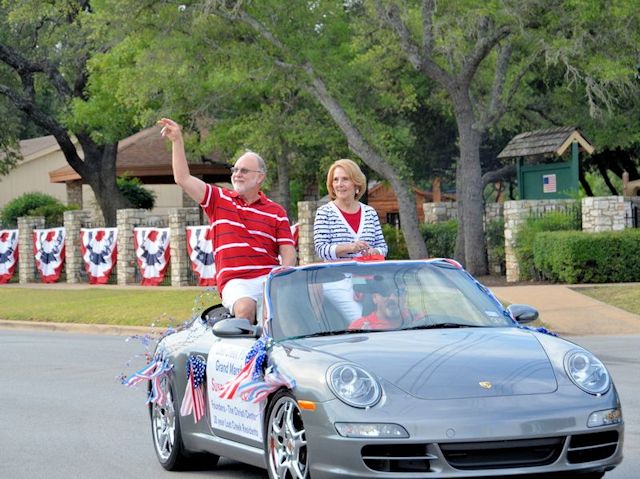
485, 384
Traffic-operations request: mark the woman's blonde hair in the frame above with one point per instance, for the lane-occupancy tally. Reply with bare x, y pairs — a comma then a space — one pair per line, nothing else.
354, 173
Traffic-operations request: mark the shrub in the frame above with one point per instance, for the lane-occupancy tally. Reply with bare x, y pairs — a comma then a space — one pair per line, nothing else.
495, 245
138, 195
551, 221
440, 238
33, 204
395, 241
581, 257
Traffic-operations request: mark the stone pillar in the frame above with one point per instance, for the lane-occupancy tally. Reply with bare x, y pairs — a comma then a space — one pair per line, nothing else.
306, 216
603, 213
73, 221
126, 220
187, 201
27, 259
440, 212
179, 218
74, 193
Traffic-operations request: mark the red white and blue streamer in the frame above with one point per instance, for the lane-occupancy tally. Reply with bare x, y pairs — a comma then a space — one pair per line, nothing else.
193, 400
152, 254
8, 254
256, 380
100, 252
157, 368
200, 249
49, 251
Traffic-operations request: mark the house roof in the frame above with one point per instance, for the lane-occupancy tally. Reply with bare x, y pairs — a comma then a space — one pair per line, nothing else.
145, 155
374, 185
545, 142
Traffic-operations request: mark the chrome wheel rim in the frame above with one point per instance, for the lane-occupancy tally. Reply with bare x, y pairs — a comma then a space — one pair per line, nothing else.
287, 441
164, 426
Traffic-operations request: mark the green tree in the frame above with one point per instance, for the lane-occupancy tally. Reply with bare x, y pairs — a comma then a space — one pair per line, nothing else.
44, 51
481, 53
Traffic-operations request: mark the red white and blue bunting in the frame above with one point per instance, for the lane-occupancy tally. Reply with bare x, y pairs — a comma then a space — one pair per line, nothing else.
99, 252
200, 249
295, 232
49, 250
152, 253
8, 254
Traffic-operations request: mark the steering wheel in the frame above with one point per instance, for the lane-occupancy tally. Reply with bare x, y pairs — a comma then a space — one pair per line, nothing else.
215, 313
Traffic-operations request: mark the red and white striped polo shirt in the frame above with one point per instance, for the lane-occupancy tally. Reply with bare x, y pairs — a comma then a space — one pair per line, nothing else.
246, 238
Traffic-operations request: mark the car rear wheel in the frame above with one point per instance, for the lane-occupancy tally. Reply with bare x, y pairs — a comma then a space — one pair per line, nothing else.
286, 440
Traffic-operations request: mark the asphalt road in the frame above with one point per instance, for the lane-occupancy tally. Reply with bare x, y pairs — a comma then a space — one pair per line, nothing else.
64, 415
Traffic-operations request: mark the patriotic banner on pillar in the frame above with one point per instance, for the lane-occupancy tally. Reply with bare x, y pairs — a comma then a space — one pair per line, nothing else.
295, 232
152, 253
99, 252
200, 249
8, 254
49, 250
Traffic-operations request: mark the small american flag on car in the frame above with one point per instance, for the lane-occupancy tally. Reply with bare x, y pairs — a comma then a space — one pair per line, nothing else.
548, 183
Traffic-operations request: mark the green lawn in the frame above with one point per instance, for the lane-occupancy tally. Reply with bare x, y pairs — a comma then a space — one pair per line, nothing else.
164, 306
623, 296
132, 307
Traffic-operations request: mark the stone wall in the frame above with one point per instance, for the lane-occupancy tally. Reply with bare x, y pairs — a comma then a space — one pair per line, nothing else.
440, 212
604, 213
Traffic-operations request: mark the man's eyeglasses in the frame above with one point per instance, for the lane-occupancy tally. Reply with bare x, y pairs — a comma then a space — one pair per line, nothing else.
243, 171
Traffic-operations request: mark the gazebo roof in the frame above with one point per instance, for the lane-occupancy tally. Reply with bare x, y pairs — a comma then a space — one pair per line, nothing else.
145, 155
553, 141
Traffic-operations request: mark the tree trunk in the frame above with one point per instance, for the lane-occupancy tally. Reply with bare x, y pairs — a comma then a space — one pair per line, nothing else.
469, 195
282, 166
98, 170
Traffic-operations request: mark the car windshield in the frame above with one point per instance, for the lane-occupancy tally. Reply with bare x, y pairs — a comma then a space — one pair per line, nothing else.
350, 297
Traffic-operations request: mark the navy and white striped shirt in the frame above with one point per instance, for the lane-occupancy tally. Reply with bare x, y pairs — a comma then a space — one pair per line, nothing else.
330, 229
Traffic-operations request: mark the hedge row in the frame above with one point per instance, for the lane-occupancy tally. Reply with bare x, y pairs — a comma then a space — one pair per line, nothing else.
580, 257
439, 238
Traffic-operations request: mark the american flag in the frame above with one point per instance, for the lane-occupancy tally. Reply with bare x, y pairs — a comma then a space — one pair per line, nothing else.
256, 381
193, 400
548, 183
154, 371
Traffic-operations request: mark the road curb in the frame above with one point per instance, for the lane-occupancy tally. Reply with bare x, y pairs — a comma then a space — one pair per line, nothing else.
110, 329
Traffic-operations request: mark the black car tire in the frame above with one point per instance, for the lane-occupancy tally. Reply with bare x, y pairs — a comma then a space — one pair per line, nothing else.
167, 436
285, 439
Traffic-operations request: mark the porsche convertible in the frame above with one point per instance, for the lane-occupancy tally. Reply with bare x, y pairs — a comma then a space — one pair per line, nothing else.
434, 379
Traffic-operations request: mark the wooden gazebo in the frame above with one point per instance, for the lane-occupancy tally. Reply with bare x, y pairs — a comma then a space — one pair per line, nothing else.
539, 176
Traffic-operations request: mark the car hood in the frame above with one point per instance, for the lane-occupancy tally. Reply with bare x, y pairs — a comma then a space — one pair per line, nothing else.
448, 364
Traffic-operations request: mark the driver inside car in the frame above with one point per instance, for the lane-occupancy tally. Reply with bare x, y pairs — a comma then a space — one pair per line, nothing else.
387, 313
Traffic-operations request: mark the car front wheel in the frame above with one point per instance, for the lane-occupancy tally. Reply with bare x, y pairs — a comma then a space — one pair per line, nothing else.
286, 439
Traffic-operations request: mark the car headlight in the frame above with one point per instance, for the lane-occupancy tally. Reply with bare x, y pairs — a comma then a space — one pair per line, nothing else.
353, 385
587, 372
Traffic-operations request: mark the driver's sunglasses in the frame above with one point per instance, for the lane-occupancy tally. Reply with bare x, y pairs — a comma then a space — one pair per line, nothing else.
243, 171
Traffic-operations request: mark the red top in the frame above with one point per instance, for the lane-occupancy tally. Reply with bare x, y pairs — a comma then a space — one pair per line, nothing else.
246, 238
353, 218
371, 322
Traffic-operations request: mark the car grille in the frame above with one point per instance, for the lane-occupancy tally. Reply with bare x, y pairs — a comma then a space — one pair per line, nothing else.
491, 454
397, 457
503, 454
592, 447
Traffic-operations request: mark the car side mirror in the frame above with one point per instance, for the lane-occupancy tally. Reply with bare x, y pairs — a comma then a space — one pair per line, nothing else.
523, 313
236, 328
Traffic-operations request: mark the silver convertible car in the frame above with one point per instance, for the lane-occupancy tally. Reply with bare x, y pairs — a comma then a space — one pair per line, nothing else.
382, 369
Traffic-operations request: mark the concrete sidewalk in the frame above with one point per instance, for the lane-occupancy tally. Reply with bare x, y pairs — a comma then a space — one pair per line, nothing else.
569, 313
